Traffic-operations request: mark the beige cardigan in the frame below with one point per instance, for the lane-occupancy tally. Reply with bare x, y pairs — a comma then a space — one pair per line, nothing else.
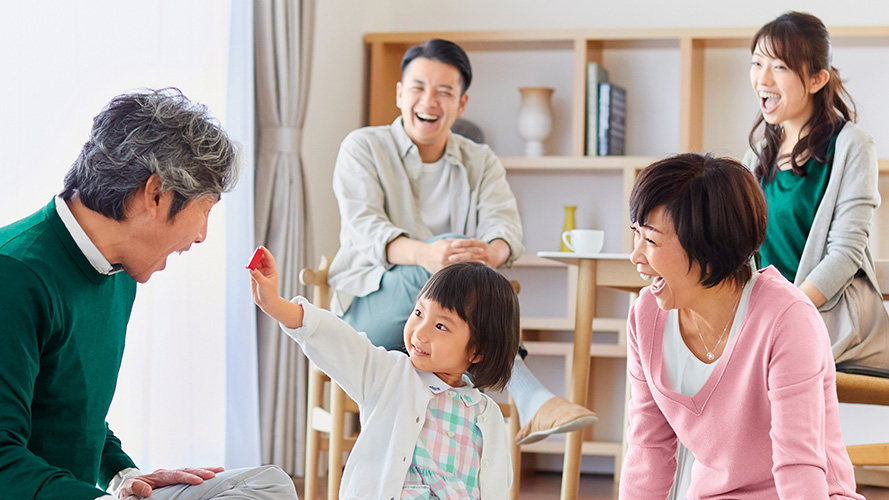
377, 204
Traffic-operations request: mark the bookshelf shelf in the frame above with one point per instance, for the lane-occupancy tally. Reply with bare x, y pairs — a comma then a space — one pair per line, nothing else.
555, 164
531, 260
546, 348
557, 447
576, 163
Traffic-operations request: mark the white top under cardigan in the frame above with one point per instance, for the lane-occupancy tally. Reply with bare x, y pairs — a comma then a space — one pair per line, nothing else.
392, 396
687, 375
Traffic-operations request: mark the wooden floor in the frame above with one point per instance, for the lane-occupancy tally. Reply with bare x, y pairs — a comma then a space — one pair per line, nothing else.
545, 486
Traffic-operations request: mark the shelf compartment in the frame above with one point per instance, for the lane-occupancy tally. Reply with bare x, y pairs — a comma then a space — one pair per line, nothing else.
545, 348
557, 447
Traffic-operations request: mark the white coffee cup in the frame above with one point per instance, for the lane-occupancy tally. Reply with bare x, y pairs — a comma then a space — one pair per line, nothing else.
584, 240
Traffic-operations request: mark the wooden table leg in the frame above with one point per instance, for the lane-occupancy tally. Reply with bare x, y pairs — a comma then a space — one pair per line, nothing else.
583, 331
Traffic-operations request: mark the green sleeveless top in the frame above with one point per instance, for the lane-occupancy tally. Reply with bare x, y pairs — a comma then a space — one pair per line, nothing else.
792, 201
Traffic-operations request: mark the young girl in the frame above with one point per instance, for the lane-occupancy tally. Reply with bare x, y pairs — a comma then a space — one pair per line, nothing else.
426, 431
818, 171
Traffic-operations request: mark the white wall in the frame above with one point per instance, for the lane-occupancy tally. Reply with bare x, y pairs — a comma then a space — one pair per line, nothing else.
335, 106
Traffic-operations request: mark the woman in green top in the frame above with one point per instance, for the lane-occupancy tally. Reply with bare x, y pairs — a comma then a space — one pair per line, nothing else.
818, 171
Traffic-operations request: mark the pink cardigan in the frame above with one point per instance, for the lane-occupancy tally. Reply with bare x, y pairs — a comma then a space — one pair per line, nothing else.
763, 426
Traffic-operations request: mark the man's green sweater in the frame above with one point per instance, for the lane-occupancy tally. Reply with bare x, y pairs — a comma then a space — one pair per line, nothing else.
62, 328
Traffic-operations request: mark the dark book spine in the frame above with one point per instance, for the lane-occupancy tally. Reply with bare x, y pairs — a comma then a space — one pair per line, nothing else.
612, 119
604, 116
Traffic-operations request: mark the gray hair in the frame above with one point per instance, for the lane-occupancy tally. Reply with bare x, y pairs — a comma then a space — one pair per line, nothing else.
151, 132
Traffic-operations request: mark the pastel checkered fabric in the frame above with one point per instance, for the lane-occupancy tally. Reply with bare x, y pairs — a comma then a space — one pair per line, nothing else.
447, 456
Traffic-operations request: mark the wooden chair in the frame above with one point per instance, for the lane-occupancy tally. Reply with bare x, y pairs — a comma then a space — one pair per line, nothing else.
331, 421
319, 419
868, 386
864, 389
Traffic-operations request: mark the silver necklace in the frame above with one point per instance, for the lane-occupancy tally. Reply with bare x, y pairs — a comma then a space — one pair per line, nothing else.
711, 355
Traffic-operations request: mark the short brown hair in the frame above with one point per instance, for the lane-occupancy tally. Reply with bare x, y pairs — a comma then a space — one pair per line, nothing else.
717, 208
487, 302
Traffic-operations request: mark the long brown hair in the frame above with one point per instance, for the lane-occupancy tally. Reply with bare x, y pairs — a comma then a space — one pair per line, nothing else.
803, 43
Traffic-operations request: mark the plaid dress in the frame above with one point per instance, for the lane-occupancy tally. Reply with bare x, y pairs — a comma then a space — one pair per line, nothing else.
447, 456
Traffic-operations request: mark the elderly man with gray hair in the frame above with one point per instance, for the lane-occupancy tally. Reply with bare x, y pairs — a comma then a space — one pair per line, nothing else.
142, 188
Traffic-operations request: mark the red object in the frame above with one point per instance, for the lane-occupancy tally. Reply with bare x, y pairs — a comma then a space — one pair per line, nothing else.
254, 261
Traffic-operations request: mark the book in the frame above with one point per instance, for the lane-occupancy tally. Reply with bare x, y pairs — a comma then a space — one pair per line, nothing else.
612, 119
595, 74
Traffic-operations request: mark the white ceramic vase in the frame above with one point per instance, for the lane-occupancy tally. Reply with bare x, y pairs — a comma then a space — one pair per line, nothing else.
535, 118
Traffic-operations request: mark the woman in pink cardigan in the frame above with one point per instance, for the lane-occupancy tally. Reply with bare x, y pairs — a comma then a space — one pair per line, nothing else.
733, 363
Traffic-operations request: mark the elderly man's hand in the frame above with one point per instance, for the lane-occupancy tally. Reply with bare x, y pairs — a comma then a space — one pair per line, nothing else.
142, 486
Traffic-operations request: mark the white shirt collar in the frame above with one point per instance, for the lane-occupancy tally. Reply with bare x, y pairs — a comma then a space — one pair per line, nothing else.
84, 243
469, 395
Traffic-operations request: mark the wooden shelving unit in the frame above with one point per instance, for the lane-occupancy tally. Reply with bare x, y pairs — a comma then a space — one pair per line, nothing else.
689, 46
384, 51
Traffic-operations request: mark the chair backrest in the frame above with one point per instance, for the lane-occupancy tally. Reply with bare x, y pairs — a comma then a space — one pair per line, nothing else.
318, 418
871, 390
317, 277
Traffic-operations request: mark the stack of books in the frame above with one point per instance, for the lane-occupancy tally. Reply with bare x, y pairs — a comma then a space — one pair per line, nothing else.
606, 112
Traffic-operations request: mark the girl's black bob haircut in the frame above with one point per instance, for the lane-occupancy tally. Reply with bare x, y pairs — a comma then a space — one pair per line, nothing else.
487, 302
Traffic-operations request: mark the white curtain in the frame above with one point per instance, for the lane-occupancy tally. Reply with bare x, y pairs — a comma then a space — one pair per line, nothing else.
187, 390
284, 33
242, 439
